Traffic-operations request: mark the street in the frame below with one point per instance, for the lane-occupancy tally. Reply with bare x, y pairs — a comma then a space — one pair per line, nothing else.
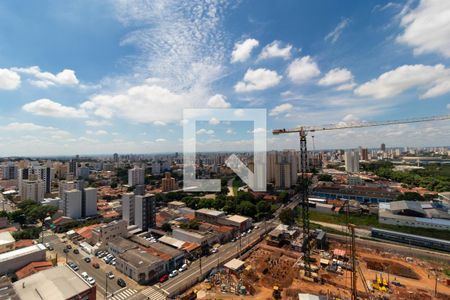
99, 274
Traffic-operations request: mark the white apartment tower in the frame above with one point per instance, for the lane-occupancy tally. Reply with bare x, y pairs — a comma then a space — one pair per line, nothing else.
32, 190
136, 176
71, 204
351, 161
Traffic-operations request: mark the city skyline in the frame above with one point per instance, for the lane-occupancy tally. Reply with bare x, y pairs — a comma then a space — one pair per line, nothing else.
106, 77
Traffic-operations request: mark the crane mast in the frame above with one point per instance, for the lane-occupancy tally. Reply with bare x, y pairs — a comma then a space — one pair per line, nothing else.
303, 131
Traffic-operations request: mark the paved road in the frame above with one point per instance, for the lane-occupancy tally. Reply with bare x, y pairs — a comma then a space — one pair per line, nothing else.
186, 279
97, 274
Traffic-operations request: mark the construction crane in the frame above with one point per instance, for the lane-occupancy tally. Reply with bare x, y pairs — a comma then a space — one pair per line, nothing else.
303, 131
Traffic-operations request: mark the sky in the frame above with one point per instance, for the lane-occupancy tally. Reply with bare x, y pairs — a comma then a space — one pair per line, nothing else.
98, 77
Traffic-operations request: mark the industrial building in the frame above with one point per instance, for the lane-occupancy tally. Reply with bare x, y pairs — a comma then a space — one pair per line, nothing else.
12, 261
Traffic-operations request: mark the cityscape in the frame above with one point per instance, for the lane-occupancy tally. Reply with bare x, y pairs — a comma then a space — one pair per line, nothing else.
135, 164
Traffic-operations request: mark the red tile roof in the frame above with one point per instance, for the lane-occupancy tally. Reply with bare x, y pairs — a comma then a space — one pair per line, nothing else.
32, 268
24, 243
8, 229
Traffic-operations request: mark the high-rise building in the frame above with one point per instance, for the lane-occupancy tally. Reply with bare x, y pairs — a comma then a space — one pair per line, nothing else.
83, 172
365, 154
128, 208
282, 168
156, 168
33, 190
89, 202
66, 185
9, 171
351, 161
71, 204
136, 176
383, 147
116, 157
168, 183
283, 178
35, 172
139, 210
73, 166
145, 211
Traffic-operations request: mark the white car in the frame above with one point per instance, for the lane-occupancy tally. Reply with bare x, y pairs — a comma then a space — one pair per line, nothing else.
85, 275
91, 280
110, 275
47, 245
183, 268
214, 250
173, 274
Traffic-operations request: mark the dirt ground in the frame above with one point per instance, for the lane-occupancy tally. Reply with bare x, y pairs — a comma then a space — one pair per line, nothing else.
269, 266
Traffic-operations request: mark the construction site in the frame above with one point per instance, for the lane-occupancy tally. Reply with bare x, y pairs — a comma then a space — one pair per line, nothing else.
300, 263
271, 272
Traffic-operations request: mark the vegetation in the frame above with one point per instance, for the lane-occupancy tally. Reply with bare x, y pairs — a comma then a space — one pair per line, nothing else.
433, 177
325, 177
287, 216
30, 212
166, 227
29, 233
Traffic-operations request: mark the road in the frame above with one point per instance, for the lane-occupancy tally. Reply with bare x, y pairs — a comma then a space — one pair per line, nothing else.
98, 274
343, 228
186, 279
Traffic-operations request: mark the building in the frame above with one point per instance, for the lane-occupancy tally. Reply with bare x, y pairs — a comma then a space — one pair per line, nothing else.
33, 190
145, 211
168, 183
7, 242
106, 232
73, 166
383, 147
282, 168
9, 171
139, 210
71, 204
69, 185
351, 161
141, 266
365, 154
241, 223
12, 261
235, 265
360, 193
176, 205
412, 214
156, 168
128, 208
83, 172
136, 176
58, 283
36, 173
209, 215
89, 202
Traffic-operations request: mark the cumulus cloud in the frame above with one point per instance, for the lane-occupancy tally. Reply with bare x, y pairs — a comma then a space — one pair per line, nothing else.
9, 80
97, 132
427, 28
303, 69
242, 50
280, 109
46, 79
160, 140
218, 101
334, 35
159, 123
275, 49
214, 121
49, 108
97, 123
205, 131
336, 76
434, 80
33, 128
259, 79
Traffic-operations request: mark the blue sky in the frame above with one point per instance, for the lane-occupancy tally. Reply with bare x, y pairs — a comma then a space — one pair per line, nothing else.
93, 77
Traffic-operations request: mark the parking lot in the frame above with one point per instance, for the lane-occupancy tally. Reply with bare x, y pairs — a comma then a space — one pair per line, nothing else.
100, 274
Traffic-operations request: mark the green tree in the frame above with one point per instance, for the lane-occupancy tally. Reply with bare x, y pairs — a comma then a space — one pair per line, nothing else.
263, 208
247, 208
287, 216
325, 177
411, 196
166, 227
283, 197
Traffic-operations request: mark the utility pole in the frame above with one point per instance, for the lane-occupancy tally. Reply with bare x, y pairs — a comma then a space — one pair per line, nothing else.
200, 267
106, 288
354, 290
435, 285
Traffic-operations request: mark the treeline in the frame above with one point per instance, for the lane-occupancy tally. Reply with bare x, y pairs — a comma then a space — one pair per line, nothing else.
432, 177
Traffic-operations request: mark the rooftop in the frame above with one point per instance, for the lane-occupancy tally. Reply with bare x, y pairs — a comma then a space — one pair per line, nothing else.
211, 212
6, 238
21, 252
234, 264
238, 218
52, 284
139, 258
33, 268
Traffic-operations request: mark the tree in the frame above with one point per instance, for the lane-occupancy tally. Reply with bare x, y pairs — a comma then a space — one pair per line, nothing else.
263, 208
113, 185
166, 227
247, 208
283, 197
287, 216
325, 177
410, 196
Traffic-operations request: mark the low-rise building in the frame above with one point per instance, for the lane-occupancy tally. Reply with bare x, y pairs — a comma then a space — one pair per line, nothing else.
209, 215
176, 205
14, 260
240, 222
141, 266
106, 232
7, 242
59, 283
120, 245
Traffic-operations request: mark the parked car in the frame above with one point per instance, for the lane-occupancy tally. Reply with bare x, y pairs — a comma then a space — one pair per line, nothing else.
69, 246
91, 280
87, 259
66, 250
121, 282
47, 245
164, 278
173, 274
50, 248
95, 265
183, 268
110, 275
76, 251
84, 275
73, 266
214, 250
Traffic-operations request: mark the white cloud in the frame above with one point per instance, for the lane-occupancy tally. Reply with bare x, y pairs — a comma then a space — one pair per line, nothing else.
303, 69
46, 79
242, 50
33, 128
9, 80
275, 49
218, 101
280, 109
427, 28
259, 130
346, 86
434, 80
334, 35
160, 140
259, 79
49, 108
159, 123
97, 132
336, 76
214, 121
205, 131
231, 131
97, 123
